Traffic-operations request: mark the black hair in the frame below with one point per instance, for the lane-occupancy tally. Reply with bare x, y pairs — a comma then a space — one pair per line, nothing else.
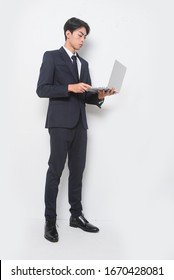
74, 23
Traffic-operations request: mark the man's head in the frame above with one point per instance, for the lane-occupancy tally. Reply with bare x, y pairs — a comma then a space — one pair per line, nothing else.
75, 31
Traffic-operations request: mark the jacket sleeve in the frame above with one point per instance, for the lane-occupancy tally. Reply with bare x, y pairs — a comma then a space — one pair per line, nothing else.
46, 86
92, 98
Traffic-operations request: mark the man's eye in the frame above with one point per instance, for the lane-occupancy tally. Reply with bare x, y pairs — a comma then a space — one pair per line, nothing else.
81, 35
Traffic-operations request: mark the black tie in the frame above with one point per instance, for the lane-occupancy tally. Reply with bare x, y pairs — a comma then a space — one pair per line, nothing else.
74, 58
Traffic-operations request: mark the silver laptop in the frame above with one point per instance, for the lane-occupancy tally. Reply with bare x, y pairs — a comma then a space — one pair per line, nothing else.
116, 78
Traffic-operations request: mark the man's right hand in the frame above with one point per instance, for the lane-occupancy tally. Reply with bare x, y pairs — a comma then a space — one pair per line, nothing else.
78, 88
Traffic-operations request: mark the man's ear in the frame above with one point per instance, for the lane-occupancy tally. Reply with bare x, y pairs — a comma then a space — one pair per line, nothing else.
68, 33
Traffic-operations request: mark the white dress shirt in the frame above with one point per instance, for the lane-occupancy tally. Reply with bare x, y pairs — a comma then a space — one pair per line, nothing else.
78, 60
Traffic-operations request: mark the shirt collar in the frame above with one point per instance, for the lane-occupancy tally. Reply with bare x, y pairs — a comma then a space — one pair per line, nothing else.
69, 52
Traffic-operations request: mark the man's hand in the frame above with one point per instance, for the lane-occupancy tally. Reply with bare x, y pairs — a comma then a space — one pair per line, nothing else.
103, 93
78, 88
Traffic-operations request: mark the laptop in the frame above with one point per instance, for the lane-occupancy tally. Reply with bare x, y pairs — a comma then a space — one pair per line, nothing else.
116, 78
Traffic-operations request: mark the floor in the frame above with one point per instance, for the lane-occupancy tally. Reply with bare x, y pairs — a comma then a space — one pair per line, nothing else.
24, 240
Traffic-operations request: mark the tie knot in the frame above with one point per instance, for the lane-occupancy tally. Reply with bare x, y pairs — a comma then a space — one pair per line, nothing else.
74, 57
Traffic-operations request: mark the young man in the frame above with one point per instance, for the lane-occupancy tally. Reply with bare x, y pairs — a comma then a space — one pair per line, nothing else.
65, 80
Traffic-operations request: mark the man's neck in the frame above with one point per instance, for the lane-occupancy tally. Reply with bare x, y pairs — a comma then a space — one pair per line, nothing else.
69, 47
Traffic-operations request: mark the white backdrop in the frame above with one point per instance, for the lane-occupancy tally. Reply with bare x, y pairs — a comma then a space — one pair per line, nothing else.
129, 175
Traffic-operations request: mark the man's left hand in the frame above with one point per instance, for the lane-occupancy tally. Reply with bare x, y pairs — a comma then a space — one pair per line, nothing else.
103, 93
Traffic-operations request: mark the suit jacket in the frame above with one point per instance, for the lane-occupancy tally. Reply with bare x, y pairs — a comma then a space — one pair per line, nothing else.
64, 107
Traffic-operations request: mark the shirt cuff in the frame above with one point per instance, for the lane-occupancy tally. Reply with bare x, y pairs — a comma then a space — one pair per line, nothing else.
100, 102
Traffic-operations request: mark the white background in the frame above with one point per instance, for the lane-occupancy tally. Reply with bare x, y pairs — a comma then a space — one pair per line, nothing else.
128, 182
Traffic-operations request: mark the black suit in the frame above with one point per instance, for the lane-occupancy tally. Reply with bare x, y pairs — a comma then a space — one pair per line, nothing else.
66, 120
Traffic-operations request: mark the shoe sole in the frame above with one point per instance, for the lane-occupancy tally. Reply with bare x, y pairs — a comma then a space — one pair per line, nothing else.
53, 241
75, 226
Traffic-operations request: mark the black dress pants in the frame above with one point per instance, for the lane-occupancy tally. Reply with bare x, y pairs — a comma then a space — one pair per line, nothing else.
72, 143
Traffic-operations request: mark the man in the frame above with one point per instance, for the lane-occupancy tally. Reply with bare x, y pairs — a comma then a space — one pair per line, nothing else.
65, 80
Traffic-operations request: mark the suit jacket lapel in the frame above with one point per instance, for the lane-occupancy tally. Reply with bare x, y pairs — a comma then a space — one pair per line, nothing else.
82, 68
68, 61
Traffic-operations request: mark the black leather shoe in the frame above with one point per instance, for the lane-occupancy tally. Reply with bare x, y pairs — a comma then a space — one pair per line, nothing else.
81, 222
51, 233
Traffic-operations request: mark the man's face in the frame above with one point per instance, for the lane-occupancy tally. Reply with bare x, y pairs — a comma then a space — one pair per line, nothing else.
77, 38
